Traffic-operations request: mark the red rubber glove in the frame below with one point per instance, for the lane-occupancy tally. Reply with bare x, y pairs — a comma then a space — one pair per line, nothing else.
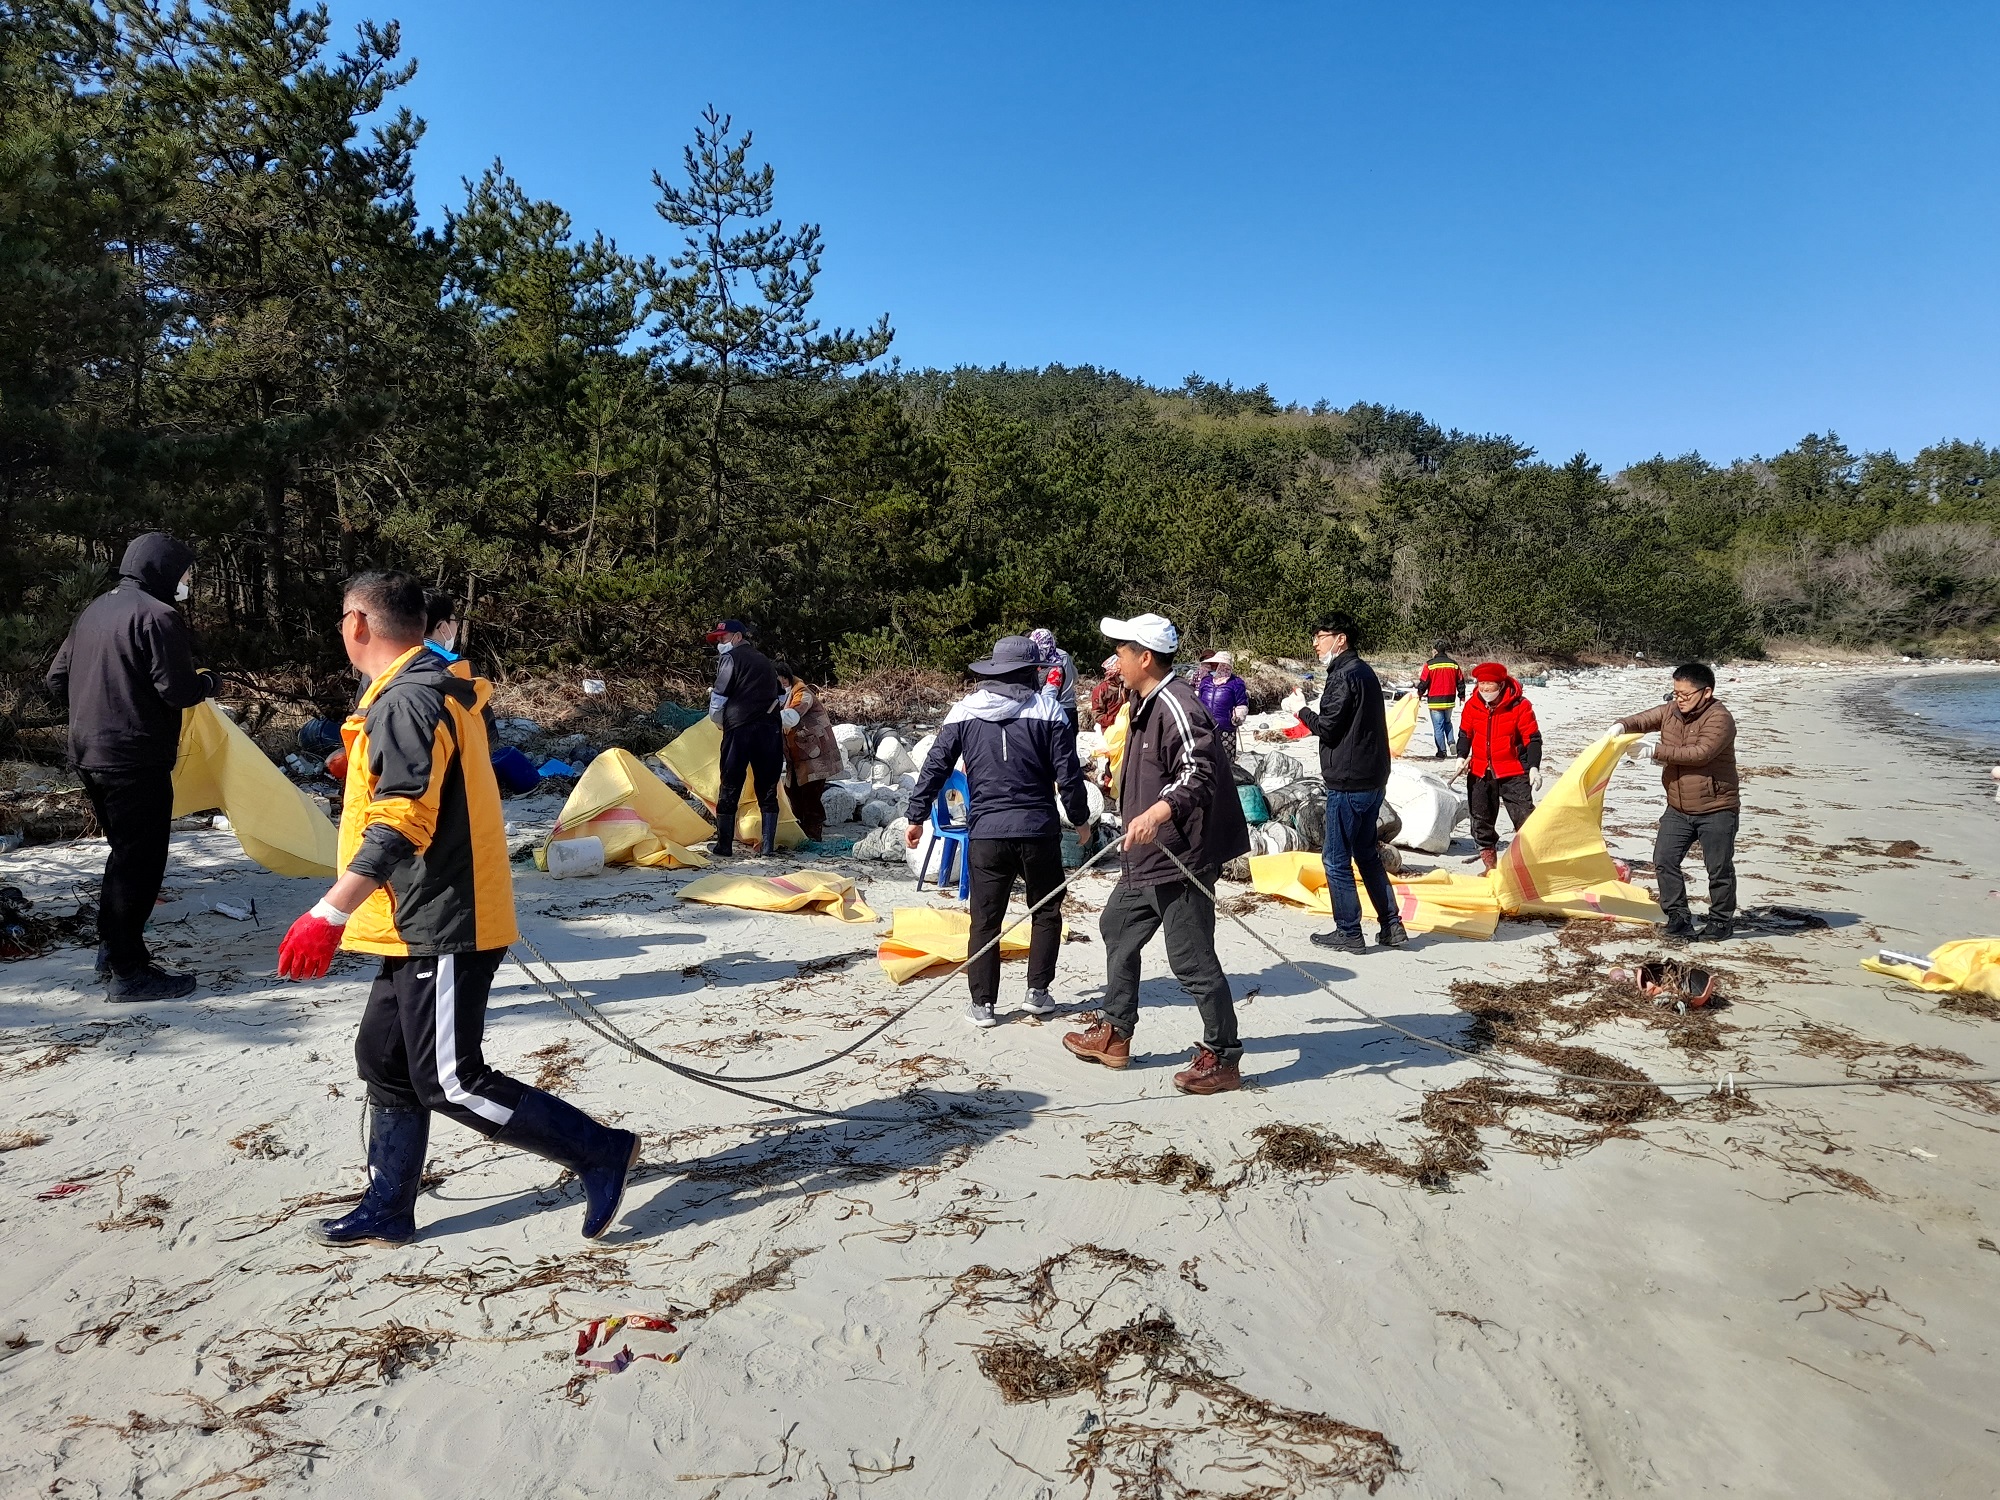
308, 949
336, 765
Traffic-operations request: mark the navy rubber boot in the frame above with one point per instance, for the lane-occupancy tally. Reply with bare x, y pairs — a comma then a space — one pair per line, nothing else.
601, 1157
398, 1140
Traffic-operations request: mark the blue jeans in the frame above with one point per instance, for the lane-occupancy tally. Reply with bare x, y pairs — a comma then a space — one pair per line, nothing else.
1351, 844
1441, 727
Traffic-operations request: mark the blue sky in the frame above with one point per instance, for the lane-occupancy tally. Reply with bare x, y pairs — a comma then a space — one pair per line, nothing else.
1618, 228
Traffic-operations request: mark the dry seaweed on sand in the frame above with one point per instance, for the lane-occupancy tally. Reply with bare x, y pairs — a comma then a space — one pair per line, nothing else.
1170, 1168
1868, 1059
557, 1066
21, 1140
1173, 1428
765, 1278
213, 1419
1983, 1006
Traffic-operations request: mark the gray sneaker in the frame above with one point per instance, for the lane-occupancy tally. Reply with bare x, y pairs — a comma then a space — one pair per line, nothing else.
1040, 1003
981, 1015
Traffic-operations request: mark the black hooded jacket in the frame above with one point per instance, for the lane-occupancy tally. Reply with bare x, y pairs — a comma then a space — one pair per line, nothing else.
127, 670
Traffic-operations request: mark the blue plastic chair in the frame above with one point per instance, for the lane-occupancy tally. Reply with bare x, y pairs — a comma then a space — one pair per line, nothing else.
953, 833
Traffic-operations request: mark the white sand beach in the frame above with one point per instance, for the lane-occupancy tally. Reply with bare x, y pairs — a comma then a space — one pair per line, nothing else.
1797, 1295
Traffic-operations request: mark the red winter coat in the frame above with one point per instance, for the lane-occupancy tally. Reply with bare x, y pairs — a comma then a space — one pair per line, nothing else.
1501, 739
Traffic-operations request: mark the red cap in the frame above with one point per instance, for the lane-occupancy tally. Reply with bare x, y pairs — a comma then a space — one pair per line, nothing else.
1489, 671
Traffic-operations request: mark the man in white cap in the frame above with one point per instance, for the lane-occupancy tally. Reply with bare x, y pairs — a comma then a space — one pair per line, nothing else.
1176, 796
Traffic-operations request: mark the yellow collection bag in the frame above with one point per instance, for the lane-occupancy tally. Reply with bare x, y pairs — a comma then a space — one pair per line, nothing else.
1115, 735
1461, 905
1557, 866
922, 937
1966, 966
641, 819
278, 825
833, 895
1403, 716
696, 757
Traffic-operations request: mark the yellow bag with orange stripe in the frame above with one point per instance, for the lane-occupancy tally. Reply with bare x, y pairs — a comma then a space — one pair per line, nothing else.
1557, 866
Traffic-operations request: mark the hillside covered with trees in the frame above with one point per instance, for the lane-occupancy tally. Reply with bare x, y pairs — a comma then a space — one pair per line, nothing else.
222, 313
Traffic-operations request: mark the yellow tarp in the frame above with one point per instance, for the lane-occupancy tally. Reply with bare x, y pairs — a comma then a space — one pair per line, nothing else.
1114, 746
1461, 905
834, 895
1556, 866
696, 757
641, 819
921, 937
278, 825
1967, 966
1403, 716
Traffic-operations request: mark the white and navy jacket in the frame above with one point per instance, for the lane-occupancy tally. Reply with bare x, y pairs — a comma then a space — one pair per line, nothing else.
1019, 753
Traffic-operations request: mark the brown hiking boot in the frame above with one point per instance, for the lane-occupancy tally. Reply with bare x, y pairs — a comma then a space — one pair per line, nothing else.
1208, 1074
1100, 1044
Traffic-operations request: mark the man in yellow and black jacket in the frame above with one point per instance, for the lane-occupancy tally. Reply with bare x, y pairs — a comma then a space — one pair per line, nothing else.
425, 886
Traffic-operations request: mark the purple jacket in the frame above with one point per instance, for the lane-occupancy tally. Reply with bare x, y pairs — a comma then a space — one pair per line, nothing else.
1222, 699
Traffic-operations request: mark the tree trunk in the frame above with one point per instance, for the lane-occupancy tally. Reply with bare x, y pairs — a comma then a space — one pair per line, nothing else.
276, 581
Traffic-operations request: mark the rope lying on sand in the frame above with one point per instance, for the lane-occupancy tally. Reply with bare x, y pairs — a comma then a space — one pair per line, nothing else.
608, 1030
604, 1027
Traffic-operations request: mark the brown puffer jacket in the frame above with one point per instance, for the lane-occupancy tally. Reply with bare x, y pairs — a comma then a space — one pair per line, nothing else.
1697, 755
811, 751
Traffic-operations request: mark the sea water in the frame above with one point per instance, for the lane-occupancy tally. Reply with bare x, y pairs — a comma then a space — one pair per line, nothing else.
1963, 705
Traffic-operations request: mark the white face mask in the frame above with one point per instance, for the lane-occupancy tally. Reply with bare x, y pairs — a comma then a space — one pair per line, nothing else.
184, 590
725, 647
446, 636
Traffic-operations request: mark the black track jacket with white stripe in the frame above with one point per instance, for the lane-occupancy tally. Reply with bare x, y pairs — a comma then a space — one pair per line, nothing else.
1173, 755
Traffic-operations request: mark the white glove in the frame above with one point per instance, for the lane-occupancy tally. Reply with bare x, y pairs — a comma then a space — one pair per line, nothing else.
789, 717
1535, 780
1293, 702
1239, 714
1617, 727
1638, 750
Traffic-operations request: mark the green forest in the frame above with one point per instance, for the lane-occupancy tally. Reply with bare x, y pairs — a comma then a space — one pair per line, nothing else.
223, 312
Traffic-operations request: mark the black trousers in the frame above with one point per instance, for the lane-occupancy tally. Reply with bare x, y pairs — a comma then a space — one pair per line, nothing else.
809, 807
1130, 919
759, 750
1678, 833
419, 1043
1488, 794
135, 810
994, 864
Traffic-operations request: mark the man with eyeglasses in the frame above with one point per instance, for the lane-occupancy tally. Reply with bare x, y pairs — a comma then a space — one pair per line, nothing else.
1696, 753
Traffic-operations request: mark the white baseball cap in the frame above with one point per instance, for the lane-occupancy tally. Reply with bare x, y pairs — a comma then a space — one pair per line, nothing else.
1154, 632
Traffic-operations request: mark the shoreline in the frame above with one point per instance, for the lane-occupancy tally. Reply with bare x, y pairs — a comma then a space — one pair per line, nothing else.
1874, 703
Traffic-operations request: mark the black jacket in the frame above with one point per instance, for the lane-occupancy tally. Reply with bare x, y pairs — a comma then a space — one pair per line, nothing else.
1173, 755
1353, 727
747, 688
127, 669
1019, 752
